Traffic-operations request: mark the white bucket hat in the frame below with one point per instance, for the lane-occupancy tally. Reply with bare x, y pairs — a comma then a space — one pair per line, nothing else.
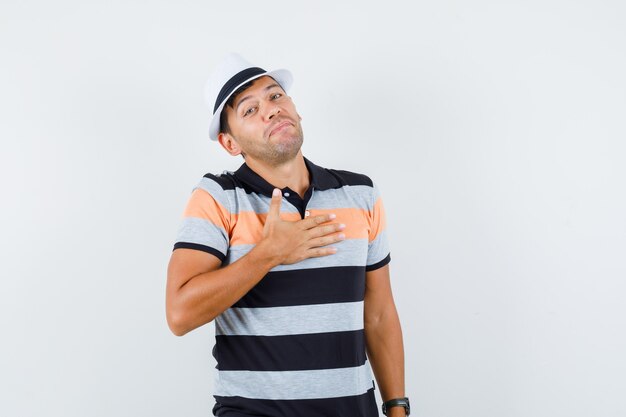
230, 74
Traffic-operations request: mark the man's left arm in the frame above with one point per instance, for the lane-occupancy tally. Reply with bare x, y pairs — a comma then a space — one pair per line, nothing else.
383, 337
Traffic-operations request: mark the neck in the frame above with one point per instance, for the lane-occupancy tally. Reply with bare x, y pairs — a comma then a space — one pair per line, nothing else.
292, 173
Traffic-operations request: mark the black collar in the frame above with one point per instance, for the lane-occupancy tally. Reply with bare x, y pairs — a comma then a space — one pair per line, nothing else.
321, 178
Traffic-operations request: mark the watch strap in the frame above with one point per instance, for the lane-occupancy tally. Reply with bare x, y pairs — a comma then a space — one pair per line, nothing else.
397, 402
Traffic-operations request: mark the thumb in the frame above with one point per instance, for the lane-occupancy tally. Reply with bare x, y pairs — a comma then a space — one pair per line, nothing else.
274, 212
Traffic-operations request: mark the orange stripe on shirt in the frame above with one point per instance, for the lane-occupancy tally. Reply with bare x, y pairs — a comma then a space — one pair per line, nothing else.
378, 219
202, 205
248, 226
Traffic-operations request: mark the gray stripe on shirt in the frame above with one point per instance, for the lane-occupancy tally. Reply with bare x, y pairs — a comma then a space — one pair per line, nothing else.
295, 385
278, 321
350, 252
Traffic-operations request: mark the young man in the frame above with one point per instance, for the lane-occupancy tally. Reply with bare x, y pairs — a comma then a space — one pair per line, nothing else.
291, 260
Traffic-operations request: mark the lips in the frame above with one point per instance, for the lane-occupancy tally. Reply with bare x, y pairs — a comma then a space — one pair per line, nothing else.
277, 127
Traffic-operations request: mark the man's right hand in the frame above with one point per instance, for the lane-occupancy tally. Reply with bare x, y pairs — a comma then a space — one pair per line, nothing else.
292, 242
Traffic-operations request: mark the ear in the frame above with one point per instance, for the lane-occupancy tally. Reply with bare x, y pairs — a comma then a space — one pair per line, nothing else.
229, 143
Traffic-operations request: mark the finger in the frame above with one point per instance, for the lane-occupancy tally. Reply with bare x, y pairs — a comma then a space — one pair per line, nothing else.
274, 211
317, 252
325, 230
317, 220
326, 240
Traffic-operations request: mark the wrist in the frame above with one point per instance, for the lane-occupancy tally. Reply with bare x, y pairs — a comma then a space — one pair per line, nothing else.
264, 255
396, 412
397, 407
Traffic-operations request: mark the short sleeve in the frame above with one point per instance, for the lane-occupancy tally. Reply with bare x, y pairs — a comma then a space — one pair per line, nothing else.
378, 251
205, 222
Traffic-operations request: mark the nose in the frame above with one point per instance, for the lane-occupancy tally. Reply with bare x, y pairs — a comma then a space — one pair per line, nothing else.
273, 111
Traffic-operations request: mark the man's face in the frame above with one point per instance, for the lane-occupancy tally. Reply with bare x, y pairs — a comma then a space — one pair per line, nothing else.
264, 123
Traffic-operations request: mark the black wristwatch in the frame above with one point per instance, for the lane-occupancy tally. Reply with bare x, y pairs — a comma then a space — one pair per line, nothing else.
397, 402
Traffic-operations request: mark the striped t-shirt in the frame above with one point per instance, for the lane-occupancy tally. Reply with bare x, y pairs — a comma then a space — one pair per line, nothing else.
294, 345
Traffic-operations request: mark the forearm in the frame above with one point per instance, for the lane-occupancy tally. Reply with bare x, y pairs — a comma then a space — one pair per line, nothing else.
386, 354
205, 296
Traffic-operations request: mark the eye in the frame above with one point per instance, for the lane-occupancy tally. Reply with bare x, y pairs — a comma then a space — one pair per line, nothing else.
276, 95
249, 111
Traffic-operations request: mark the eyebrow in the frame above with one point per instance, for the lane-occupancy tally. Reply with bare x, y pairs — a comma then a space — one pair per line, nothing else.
269, 87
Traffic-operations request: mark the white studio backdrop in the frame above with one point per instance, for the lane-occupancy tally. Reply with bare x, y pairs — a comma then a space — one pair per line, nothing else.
495, 131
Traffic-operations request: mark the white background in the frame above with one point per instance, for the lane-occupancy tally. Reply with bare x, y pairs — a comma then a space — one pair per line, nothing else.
495, 131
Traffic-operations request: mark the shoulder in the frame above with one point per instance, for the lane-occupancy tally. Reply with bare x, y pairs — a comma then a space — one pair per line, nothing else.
329, 178
350, 178
358, 185
218, 182
218, 186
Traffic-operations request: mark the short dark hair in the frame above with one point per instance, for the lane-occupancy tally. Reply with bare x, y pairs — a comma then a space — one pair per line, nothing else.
230, 102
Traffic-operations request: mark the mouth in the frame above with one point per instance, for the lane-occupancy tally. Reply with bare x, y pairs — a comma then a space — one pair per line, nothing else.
280, 126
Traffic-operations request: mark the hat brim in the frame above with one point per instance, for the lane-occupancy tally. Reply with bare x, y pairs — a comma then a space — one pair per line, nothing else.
282, 77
